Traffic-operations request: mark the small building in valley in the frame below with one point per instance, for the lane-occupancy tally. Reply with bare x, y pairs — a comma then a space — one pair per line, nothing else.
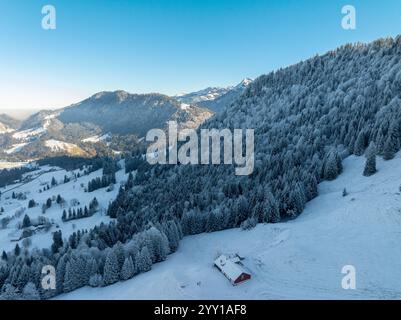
232, 270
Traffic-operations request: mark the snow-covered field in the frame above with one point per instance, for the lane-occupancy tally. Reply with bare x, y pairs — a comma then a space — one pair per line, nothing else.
300, 259
70, 191
56, 145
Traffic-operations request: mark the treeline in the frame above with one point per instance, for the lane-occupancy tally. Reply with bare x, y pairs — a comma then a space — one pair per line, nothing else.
9, 176
103, 182
79, 213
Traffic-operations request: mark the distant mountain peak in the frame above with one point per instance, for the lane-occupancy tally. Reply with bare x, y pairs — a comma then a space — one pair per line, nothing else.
245, 82
215, 98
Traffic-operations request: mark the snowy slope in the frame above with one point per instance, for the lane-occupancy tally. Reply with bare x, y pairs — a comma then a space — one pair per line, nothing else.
56, 145
207, 94
69, 191
15, 148
97, 138
300, 259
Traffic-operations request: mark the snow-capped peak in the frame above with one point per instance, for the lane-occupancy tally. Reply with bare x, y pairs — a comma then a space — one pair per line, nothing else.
244, 83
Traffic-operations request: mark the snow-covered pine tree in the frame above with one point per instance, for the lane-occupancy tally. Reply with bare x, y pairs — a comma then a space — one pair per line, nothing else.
143, 260
370, 166
332, 166
30, 292
60, 273
128, 269
111, 273
359, 146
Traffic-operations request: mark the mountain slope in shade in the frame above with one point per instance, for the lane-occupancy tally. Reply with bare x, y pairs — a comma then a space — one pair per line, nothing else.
120, 112
105, 113
8, 124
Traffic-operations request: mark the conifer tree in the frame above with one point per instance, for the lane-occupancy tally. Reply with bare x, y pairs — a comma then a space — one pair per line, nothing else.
370, 166
30, 292
111, 268
128, 269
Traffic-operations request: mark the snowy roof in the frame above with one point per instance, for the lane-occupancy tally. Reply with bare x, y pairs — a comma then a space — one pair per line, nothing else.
228, 267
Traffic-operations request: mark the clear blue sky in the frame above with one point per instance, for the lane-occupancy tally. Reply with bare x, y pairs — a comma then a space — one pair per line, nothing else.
167, 46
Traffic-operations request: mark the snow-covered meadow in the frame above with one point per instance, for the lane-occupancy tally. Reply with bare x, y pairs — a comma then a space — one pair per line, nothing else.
72, 192
299, 259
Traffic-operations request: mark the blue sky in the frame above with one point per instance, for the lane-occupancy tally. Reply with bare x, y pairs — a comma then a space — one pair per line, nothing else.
167, 46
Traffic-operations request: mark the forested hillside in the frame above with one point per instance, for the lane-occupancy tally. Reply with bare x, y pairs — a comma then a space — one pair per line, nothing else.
306, 117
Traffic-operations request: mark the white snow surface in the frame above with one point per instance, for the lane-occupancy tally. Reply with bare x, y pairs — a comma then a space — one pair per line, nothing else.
97, 138
56, 145
299, 259
15, 148
22, 135
73, 190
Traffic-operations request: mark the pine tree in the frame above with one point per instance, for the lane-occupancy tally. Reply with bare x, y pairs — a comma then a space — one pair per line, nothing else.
370, 166
26, 222
30, 292
31, 203
76, 275
111, 272
23, 277
57, 241
4, 256
388, 151
392, 143
120, 253
144, 261
359, 147
128, 269
64, 216
92, 267
17, 250
332, 166
60, 273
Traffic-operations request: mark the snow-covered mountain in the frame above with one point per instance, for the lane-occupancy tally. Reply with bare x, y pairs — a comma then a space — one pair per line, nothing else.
224, 101
105, 113
208, 94
215, 98
120, 112
8, 124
